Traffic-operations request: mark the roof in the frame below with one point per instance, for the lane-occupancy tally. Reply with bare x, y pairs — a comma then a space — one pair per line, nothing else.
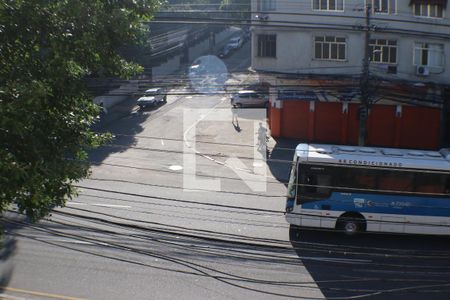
375, 157
153, 90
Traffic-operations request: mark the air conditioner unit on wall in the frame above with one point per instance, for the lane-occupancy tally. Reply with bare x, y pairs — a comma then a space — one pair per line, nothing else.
262, 17
422, 71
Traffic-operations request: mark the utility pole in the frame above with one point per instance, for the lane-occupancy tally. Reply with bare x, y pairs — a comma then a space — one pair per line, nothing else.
364, 83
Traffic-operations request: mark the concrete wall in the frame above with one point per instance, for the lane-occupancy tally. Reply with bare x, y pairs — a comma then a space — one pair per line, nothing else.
167, 68
116, 96
298, 58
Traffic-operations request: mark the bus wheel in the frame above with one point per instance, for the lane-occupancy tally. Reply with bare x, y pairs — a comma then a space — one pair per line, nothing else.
351, 225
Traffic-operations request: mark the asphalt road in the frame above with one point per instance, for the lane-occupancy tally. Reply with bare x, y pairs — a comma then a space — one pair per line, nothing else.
136, 232
140, 230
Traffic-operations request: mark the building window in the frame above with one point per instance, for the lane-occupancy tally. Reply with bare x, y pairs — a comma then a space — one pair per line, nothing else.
333, 5
329, 48
431, 55
428, 10
384, 6
383, 51
267, 45
266, 5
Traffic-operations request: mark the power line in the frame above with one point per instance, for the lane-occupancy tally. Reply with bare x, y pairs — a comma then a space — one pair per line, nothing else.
202, 270
376, 17
246, 208
279, 244
296, 25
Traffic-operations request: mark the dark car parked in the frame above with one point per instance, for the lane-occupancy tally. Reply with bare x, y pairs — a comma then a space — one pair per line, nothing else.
225, 51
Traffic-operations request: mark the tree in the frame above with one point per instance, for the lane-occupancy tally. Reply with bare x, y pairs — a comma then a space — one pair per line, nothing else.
47, 49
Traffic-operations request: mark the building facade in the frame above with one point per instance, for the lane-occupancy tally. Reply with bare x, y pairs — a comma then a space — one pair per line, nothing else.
317, 47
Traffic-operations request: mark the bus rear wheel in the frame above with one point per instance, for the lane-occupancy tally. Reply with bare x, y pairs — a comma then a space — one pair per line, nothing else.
351, 224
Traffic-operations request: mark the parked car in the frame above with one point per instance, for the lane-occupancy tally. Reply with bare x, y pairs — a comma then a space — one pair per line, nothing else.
152, 97
196, 69
225, 51
236, 42
249, 98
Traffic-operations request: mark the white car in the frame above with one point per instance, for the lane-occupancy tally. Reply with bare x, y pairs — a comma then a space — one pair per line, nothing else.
235, 43
249, 98
152, 98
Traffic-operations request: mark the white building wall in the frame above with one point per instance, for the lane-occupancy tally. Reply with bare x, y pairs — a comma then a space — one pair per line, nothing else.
295, 23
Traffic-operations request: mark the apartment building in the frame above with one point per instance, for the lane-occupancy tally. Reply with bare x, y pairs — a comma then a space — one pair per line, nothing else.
318, 47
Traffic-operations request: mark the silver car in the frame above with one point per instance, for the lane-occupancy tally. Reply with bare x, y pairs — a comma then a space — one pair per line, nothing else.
152, 98
235, 43
249, 98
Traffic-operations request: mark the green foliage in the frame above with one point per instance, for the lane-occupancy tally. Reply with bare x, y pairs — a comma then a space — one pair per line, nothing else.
46, 49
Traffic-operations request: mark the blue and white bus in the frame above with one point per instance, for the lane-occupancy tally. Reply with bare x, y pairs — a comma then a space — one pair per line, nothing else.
357, 189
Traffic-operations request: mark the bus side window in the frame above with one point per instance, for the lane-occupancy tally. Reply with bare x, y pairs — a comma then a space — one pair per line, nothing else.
315, 185
354, 179
397, 182
430, 183
365, 180
447, 186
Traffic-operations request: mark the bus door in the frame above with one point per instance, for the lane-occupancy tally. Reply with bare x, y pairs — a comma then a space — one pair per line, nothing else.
314, 183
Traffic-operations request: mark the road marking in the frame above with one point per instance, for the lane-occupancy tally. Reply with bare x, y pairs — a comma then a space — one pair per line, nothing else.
41, 294
226, 163
162, 142
111, 205
175, 168
76, 203
68, 240
98, 204
203, 116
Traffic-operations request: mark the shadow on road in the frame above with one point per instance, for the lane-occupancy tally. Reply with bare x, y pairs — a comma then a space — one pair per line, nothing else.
280, 158
375, 266
139, 248
124, 130
8, 248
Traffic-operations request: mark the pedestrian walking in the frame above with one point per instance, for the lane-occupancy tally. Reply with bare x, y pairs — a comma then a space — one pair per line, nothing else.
262, 137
